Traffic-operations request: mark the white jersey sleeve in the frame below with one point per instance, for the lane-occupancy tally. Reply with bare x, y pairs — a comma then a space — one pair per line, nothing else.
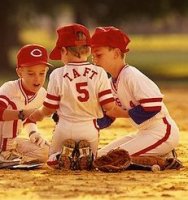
53, 92
144, 90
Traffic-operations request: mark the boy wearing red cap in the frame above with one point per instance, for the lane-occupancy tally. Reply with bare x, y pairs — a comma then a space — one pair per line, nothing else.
157, 133
78, 91
18, 99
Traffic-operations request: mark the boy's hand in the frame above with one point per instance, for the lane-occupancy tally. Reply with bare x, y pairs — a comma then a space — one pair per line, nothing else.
37, 139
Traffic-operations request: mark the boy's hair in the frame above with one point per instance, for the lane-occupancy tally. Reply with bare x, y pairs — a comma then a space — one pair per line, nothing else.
75, 35
122, 53
78, 51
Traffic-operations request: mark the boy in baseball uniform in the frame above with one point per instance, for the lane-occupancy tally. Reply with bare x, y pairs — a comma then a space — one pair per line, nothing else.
157, 133
79, 92
18, 99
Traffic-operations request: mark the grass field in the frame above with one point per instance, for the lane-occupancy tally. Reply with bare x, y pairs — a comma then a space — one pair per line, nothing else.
159, 56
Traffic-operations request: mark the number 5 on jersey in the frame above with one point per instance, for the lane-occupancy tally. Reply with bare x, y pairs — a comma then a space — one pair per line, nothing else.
82, 90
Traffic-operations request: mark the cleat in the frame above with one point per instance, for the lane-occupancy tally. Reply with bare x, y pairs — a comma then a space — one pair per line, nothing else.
171, 154
84, 156
53, 161
173, 163
66, 160
9, 156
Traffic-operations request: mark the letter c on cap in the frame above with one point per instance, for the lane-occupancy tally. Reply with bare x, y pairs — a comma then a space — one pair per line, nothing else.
36, 53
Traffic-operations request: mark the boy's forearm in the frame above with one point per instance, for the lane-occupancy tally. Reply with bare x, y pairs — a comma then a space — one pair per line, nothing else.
9, 115
118, 112
39, 114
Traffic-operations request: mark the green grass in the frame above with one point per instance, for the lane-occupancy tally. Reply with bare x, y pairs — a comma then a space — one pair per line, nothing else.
172, 42
159, 56
161, 64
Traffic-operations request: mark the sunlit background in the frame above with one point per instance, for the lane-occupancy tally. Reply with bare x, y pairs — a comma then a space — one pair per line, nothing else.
158, 31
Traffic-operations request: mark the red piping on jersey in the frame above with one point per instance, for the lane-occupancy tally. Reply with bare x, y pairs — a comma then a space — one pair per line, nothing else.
78, 63
52, 97
115, 79
153, 146
26, 93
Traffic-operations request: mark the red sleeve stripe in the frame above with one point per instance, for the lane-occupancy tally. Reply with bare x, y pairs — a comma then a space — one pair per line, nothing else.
151, 100
3, 103
52, 97
106, 101
51, 106
151, 109
105, 92
1, 113
4, 100
3, 106
14, 107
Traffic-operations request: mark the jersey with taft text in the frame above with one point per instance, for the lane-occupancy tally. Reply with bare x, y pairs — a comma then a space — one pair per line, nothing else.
78, 91
13, 96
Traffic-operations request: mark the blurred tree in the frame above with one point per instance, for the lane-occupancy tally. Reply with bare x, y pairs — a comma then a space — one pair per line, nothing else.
15, 15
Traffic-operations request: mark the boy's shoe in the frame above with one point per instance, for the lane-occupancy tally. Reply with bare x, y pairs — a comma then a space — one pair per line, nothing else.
171, 154
172, 160
9, 156
53, 160
8, 159
173, 163
66, 160
84, 156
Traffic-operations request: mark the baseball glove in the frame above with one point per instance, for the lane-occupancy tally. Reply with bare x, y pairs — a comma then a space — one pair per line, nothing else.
114, 161
118, 160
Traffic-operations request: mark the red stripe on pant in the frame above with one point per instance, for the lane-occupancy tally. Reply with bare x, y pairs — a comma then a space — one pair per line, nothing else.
4, 144
153, 146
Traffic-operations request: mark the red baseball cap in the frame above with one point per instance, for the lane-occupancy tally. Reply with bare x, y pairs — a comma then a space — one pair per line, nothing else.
68, 37
32, 54
111, 37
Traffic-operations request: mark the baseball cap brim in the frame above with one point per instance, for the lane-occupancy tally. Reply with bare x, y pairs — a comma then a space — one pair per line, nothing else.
55, 54
36, 63
107, 45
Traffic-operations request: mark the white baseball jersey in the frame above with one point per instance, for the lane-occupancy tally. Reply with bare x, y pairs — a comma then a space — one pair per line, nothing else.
77, 91
13, 96
133, 88
157, 131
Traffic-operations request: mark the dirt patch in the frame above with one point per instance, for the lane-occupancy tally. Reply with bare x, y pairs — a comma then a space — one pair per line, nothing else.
49, 184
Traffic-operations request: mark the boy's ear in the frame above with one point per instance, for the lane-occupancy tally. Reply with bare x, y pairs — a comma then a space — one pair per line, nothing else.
117, 52
19, 72
64, 51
